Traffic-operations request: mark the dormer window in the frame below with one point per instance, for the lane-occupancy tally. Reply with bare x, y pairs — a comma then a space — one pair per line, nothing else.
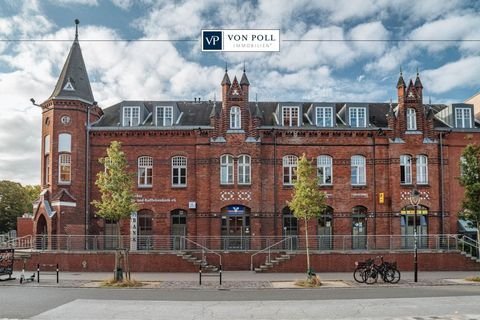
411, 119
235, 118
131, 116
324, 116
463, 118
164, 116
290, 116
358, 117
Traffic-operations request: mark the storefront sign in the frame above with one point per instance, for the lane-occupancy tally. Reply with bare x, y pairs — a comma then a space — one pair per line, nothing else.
235, 210
140, 199
133, 231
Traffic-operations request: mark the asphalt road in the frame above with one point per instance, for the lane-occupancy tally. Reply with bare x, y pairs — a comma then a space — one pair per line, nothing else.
26, 302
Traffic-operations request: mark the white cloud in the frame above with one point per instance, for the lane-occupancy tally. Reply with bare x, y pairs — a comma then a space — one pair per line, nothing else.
74, 2
123, 4
461, 73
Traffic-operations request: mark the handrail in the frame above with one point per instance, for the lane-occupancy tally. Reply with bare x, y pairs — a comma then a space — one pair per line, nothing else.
267, 248
472, 243
24, 242
204, 249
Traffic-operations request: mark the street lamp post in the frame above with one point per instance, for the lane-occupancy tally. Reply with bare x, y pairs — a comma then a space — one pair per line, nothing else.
415, 200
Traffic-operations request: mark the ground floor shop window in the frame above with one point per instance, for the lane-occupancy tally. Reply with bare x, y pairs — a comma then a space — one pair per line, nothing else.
359, 227
144, 238
290, 229
324, 232
408, 223
235, 227
179, 228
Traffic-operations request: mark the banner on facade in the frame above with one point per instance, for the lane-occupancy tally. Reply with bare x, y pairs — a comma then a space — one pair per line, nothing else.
133, 231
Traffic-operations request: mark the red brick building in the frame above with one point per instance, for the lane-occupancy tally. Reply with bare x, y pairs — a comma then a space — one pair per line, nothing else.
225, 168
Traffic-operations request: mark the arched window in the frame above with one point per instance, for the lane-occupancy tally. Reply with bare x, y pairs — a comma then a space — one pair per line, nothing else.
64, 168
226, 169
422, 169
359, 227
289, 169
244, 169
179, 171
324, 170
358, 170
411, 119
144, 230
145, 171
64, 142
235, 118
405, 169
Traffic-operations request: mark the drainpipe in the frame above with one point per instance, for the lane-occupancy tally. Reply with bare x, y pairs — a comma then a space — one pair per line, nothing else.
374, 189
442, 187
275, 182
87, 174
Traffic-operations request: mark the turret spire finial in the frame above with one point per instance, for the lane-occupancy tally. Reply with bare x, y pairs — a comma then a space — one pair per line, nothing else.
226, 67
243, 66
76, 28
401, 74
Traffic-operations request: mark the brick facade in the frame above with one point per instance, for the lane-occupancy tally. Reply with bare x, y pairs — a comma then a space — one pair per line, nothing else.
207, 204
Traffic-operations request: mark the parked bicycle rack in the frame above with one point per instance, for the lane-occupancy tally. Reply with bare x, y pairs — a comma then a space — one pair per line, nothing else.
56, 271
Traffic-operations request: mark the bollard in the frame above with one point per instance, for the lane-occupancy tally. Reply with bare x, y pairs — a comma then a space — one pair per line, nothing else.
200, 275
57, 272
220, 274
38, 272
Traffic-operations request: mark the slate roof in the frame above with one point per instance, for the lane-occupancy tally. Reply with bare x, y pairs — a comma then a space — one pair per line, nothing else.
198, 114
73, 82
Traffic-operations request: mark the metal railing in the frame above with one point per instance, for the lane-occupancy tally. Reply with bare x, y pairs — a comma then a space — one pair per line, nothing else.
25, 242
204, 250
337, 243
469, 246
280, 245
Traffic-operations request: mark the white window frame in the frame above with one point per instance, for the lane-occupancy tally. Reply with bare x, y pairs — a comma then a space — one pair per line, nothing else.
131, 116
357, 117
288, 117
358, 170
46, 145
324, 116
422, 169
324, 170
235, 117
244, 169
179, 171
411, 119
463, 118
226, 169
64, 163
145, 171
64, 142
406, 169
290, 163
164, 116
47, 169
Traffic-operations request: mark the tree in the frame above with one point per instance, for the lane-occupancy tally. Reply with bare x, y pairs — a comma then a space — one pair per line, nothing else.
115, 185
470, 180
33, 192
14, 202
307, 201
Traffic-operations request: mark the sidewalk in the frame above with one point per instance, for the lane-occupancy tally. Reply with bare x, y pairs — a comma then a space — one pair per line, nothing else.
241, 279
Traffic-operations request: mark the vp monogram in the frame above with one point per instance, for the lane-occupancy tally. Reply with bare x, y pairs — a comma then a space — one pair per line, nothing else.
212, 40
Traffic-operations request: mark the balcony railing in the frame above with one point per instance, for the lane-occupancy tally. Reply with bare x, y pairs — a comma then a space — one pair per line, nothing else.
337, 243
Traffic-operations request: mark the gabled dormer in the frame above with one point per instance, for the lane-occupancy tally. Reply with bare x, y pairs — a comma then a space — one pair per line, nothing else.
322, 115
458, 116
289, 114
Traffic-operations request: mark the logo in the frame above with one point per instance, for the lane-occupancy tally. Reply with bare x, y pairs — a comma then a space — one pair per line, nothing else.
212, 40
241, 40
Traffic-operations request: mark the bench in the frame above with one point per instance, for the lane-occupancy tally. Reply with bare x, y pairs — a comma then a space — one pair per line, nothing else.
6, 263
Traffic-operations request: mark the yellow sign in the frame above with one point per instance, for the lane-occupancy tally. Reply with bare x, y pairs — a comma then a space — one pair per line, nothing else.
381, 198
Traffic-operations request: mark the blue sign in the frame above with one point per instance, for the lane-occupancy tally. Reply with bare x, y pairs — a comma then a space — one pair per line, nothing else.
212, 41
235, 210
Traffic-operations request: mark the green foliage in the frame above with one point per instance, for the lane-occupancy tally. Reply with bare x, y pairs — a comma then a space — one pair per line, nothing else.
470, 180
14, 202
33, 192
115, 185
307, 201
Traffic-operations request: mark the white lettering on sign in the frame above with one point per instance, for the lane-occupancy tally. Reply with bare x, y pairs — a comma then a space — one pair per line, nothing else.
140, 199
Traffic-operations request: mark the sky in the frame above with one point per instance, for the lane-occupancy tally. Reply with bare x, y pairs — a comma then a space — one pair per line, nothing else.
339, 50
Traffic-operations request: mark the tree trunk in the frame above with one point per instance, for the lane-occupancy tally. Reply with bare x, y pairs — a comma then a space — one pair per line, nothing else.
118, 272
306, 245
478, 239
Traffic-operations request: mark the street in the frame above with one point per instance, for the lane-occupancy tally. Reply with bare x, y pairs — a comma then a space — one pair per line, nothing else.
454, 301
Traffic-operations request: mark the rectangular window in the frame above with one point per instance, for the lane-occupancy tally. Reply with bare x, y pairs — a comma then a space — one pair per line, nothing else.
46, 179
290, 116
411, 119
179, 171
324, 170
463, 118
244, 169
358, 117
422, 169
226, 169
65, 169
164, 116
405, 169
46, 145
145, 171
324, 116
289, 170
358, 171
131, 116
